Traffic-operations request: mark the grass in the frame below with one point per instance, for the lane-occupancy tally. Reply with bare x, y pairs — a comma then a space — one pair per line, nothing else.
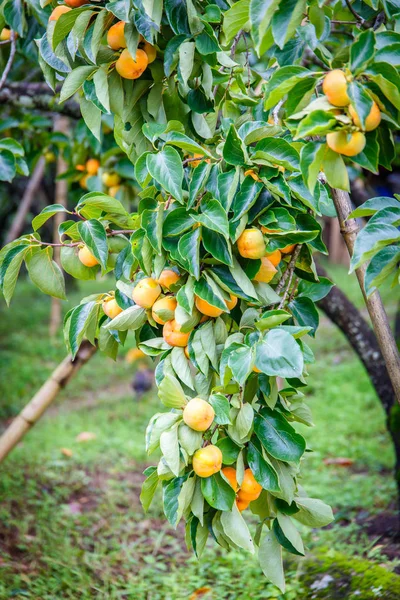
72, 526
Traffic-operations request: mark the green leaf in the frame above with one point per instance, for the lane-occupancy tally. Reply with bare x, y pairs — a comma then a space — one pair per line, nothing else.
272, 318
47, 213
261, 13
9, 270
74, 80
387, 79
45, 273
218, 493
371, 206
149, 488
166, 168
360, 100
235, 19
284, 79
208, 291
263, 472
315, 123
214, 217
313, 512
246, 197
229, 449
94, 236
198, 181
79, 321
279, 354
217, 246
241, 363
221, 407
315, 291
131, 318
305, 313
370, 240
92, 117
234, 151
286, 19
171, 393
277, 436
288, 535
102, 202
270, 559
381, 266
171, 491
169, 446
189, 249
362, 51
236, 530
335, 170
180, 140
271, 151
177, 222
7, 166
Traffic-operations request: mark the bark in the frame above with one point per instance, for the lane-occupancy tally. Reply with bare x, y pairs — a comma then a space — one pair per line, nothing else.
341, 311
26, 202
37, 96
377, 313
43, 398
61, 197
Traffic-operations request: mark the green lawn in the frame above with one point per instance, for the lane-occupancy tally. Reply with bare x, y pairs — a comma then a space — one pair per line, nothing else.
73, 527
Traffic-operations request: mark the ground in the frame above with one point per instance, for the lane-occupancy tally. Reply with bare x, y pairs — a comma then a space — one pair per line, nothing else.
71, 525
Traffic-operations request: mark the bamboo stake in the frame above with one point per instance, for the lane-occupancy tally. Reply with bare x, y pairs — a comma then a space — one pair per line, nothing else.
61, 124
380, 322
43, 398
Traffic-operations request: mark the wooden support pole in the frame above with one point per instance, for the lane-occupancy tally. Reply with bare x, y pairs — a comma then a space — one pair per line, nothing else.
379, 319
43, 398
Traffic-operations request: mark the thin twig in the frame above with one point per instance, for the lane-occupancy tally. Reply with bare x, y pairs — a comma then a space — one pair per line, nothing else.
294, 290
13, 40
73, 244
193, 159
235, 42
289, 269
359, 18
289, 283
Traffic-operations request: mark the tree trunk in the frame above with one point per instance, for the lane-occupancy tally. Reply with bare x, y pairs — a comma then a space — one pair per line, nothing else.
43, 398
348, 318
26, 202
377, 313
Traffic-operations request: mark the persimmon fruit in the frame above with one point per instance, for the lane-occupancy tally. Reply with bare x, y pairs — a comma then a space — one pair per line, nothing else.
116, 36
86, 257
168, 303
111, 308
129, 67
335, 88
371, 122
348, 144
146, 292
266, 271
167, 278
207, 461
59, 10
173, 335
198, 414
251, 243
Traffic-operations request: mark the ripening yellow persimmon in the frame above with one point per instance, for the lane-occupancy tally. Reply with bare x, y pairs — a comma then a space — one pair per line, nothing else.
134, 354
252, 174
129, 67
5, 34
83, 181
76, 3
146, 292
266, 271
232, 302
80, 167
167, 278
113, 190
86, 257
250, 489
207, 461
173, 335
274, 257
111, 308
230, 474
206, 308
371, 122
335, 88
195, 163
168, 303
110, 179
242, 504
288, 249
151, 52
349, 144
198, 414
251, 243
92, 166
116, 36
58, 11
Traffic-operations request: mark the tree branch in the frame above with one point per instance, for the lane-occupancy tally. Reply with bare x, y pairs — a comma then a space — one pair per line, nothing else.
289, 271
13, 40
377, 313
37, 96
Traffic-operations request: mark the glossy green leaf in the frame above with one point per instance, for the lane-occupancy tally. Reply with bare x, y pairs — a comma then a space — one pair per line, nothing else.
278, 437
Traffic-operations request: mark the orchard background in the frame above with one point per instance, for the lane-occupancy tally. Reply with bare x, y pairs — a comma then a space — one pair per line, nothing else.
180, 171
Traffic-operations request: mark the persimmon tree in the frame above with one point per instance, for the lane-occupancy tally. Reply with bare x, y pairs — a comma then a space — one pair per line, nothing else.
238, 118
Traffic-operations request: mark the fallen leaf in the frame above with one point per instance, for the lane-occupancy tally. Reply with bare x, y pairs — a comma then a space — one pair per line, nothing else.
85, 436
200, 593
339, 461
67, 452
